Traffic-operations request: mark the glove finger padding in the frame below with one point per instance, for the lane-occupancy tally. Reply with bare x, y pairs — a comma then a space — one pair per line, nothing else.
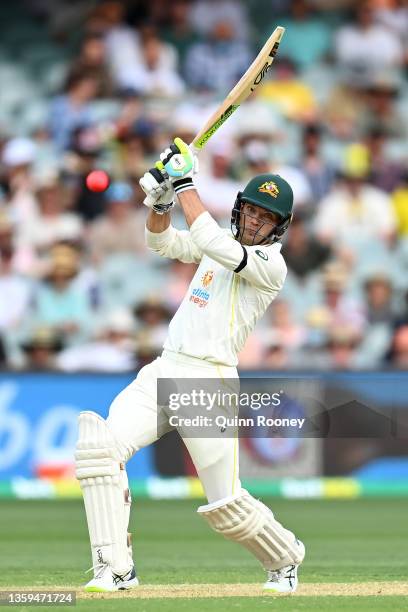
149, 201
158, 189
152, 181
147, 183
166, 155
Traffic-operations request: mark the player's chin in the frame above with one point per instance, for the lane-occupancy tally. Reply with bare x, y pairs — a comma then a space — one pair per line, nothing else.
251, 240
246, 241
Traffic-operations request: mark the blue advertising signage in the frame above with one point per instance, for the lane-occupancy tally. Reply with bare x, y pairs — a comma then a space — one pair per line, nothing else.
38, 422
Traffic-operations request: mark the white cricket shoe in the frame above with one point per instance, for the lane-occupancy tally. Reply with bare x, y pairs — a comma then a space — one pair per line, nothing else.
105, 580
283, 580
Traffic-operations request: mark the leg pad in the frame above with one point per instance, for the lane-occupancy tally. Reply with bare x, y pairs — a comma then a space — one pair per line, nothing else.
246, 520
107, 503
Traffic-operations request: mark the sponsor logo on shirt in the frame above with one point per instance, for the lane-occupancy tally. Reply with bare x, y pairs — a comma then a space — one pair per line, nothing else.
261, 254
207, 278
199, 295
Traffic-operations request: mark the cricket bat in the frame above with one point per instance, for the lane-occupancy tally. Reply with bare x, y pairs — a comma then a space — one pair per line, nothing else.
245, 86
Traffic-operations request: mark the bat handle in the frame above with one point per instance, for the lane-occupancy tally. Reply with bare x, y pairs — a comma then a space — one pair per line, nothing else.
195, 150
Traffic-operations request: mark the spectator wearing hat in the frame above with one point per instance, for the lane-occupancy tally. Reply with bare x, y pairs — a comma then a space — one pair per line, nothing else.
343, 111
380, 314
153, 317
255, 156
59, 301
18, 158
111, 350
378, 290
257, 121
381, 94
258, 153
334, 308
258, 158
41, 349
52, 223
355, 211
121, 229
18, 154
255, 134
341, 348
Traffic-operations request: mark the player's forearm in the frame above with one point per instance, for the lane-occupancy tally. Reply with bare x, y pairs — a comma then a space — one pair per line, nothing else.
162, 238
192, 205
157, 223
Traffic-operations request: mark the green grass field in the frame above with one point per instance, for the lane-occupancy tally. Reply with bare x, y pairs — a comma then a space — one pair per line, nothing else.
45, 543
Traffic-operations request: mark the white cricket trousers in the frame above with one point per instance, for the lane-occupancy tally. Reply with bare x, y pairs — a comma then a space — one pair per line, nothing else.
133, 422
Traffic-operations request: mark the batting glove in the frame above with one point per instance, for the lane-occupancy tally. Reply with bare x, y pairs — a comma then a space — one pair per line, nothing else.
159, 191
180, 164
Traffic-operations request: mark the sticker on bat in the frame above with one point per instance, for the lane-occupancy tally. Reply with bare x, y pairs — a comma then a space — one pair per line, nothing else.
262, 73
200, 143
274, 50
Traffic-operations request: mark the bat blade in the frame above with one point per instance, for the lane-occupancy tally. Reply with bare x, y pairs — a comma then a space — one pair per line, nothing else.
245, 86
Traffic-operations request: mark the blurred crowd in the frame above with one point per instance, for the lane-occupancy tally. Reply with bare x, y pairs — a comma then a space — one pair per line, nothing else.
88, 84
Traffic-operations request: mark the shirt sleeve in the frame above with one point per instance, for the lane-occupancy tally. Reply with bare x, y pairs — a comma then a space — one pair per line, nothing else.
262, 266
175, 244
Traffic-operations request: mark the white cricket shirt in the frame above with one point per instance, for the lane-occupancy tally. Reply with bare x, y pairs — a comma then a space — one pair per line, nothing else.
221, 307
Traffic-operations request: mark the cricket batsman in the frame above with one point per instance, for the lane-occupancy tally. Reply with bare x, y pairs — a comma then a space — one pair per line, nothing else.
244, 272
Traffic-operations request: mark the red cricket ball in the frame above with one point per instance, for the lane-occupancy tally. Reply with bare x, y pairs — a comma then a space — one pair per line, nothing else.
97, 180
